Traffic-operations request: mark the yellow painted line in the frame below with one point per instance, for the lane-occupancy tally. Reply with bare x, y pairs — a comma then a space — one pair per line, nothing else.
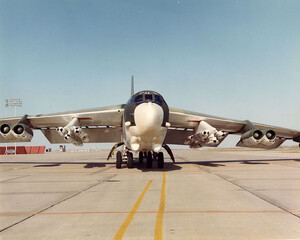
158, 233
131, 214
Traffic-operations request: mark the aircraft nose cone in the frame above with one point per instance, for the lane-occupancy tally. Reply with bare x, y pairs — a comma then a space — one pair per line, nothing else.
148, 117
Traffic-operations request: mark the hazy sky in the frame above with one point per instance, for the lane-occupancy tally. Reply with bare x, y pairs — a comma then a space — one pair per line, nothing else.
232, 58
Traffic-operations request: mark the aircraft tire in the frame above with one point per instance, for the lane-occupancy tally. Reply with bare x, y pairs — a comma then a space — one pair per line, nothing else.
149, 160
141, 157
160, 160
129, 160
119, 160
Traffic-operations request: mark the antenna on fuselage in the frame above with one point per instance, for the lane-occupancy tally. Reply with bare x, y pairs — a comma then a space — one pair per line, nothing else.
132, 86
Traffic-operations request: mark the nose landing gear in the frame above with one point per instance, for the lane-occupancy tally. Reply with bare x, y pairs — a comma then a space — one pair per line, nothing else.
127, 158
160, 160
149, 160
155, 156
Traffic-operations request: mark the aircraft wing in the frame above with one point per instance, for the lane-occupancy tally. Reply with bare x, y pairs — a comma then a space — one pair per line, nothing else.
101, 124
184, 124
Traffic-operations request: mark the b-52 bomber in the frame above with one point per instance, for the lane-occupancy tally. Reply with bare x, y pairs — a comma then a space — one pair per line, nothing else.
144, 125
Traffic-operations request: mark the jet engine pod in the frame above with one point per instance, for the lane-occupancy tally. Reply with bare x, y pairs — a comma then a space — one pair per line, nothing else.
61, 131
212, 142
221, 135
22, 132
81, 134
5, 128
252, 137
6, 133
70, 139
268, 138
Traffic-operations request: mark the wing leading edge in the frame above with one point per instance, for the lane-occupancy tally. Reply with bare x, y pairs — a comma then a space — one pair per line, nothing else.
105, 125
187, 129
99, 124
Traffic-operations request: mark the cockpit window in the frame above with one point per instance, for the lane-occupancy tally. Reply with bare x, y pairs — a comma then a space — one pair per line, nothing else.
130, 100
158, 100
138, 99
148, 97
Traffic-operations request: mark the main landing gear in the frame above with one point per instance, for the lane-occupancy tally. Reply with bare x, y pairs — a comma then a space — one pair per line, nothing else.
128, 159
150, 157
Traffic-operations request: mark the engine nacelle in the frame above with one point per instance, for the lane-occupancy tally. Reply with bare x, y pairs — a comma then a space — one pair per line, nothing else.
252, 137
205, 136
6, 133
22, 132
212, 142
220, 135
19, 133
79, 132
269, 137
201, 136
61, 131
73, 133
70, 139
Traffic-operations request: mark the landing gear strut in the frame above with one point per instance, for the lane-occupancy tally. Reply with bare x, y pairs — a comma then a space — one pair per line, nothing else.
141, 157
160, 160
129, 160
149, 160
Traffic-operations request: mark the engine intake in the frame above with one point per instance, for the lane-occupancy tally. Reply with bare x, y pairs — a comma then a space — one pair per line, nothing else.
5, 128
205, 136
252, 137
70, 139
61, 131
269, 137
6, 133
81, 134
73, 133
22, 132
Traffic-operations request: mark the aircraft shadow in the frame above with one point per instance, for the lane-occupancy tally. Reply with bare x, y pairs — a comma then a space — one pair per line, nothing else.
169, 166
95, 165
221, 163
48, 165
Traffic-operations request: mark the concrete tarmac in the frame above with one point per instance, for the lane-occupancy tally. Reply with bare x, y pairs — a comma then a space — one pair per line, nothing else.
220, 194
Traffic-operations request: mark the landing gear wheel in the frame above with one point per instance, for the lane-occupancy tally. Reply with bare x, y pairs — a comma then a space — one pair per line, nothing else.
129, 160
119, 160
141, 157
154, 158
149, 160
160, 160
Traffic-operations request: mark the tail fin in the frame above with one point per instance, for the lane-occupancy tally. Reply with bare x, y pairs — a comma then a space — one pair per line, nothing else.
132, 85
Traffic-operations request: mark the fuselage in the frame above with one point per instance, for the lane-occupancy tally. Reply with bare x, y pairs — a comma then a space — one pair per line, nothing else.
145, 122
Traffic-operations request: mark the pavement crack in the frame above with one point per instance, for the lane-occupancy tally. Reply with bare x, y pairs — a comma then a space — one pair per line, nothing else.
59, 202
102, 170
13, 179
249, 191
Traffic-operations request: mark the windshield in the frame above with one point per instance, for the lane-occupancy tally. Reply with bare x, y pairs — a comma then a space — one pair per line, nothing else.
148, 97
138, 99
158, 100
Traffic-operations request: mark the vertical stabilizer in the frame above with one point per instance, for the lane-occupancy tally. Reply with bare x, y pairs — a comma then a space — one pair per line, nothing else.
132, 85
